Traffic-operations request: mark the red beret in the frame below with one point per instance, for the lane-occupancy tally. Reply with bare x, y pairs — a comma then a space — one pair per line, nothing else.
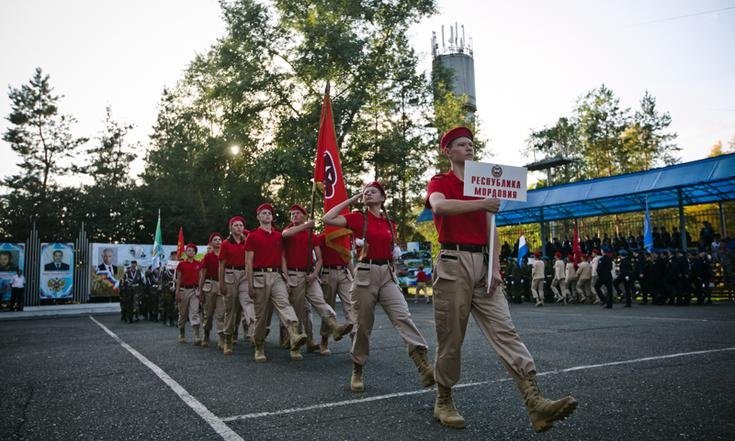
213, 235
595, 251
265, 206
452, 134
235, 219
537, 254
557, 254
191, 245
377, 185
297, 207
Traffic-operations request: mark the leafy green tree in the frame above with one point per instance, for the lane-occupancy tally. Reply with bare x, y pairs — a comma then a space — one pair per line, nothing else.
42, 137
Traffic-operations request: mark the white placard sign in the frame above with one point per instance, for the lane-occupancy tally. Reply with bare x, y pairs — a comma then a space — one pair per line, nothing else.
495, 181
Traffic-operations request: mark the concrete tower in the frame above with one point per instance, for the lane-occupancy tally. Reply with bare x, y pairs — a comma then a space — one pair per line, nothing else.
455, 54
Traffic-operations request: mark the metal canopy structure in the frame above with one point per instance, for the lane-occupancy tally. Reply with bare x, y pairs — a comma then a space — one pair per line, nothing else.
698, 182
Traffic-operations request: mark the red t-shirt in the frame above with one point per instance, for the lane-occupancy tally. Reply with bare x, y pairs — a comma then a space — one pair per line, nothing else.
379, 236
267, 247
467, 228
329, 256
211, 263
297, 249
421, 276
233, 253
189, 272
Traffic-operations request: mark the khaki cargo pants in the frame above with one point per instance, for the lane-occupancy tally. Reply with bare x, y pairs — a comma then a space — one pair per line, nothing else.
269, 291
214, 305
189, 307
237, 300
375, 284
300, 293
460, 289
338, 282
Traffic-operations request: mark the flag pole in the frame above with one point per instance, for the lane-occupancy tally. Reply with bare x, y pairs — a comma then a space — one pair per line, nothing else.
313, 186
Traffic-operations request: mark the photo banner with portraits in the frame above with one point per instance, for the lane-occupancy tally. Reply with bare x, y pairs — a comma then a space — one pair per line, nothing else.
109, 262
57, 271
12, 259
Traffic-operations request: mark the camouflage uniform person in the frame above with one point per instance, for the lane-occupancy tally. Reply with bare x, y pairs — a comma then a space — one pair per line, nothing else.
153, 284
168, 305
134, 284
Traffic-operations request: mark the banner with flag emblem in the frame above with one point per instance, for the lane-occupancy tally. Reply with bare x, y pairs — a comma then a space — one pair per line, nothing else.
180, 244
328, 174
576, 246
157, 249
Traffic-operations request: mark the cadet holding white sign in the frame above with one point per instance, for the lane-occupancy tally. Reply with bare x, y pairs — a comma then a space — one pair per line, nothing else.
461, 287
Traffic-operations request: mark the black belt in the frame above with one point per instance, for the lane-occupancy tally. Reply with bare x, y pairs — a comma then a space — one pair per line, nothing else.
303, 270
239, 268
463, 247
334, 267
189, 286
376, 261
272, 269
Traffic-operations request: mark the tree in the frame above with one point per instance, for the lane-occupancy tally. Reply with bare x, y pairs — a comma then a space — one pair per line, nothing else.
42, 137
260, 87
604, 139
111, 202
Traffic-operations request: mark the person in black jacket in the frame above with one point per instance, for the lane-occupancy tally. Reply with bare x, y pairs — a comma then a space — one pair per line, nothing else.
604, 277
625, 277
701, 278
680, 271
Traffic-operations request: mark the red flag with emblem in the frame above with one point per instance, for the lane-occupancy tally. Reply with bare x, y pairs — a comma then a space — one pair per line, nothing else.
328, 173
180, 244
576, 247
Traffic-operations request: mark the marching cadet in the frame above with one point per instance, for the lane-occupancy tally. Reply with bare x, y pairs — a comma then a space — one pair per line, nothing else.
134, 284
584, 280
153, 284
233, 283
463, 285
604, 278
168, 301
559, 273
624, 277
593, 264
214, 302
537, 279
303, 276
336, 280
187, 296
549, 277
569, 286
680, 270
638, 266
701, 278
267, 277
514, 281
376, 282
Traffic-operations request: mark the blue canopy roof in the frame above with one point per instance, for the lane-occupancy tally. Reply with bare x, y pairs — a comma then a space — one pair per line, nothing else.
704, 181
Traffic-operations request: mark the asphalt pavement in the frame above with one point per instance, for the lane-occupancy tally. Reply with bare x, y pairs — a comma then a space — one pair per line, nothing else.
641, 373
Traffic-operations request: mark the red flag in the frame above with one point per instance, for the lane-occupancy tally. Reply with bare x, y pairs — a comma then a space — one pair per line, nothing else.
180, 244
328, 172
576, 248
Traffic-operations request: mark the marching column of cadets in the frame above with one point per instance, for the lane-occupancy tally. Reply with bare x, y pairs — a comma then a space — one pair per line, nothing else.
266, 270
663, 277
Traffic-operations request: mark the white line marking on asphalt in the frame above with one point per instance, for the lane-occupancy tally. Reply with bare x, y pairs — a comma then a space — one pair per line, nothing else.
462, 385
213, 420
642, 317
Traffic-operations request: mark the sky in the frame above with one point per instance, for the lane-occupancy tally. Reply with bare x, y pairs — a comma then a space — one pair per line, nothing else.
533, 60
